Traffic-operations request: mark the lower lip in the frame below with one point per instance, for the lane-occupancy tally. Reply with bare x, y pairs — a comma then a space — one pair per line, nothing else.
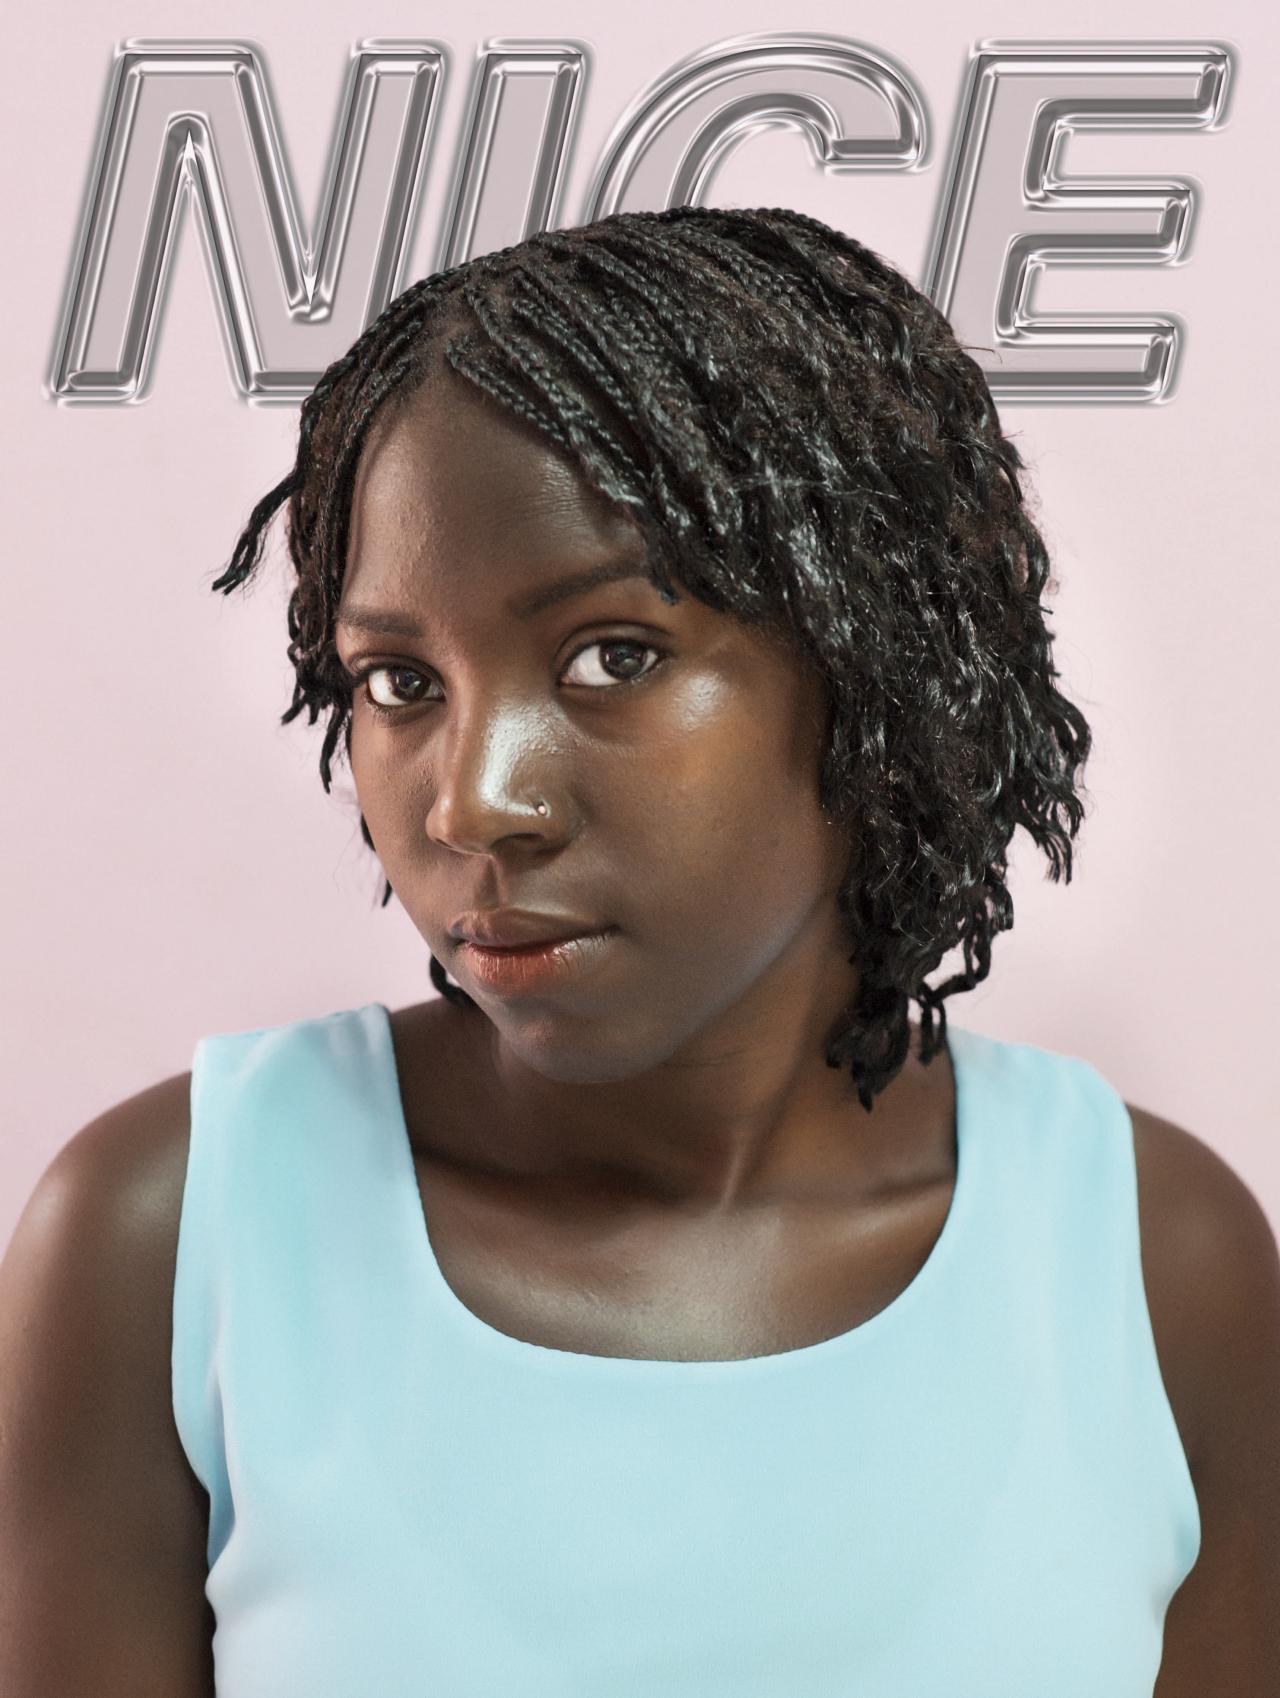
533, 965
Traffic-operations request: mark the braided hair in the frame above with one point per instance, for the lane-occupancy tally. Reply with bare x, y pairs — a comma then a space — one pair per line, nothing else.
804, 444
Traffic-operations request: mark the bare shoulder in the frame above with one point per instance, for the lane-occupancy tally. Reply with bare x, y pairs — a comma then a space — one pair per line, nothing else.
102, 1223
135, 1155
120, 1181
1209, 1258
1211, 1266
96, 1491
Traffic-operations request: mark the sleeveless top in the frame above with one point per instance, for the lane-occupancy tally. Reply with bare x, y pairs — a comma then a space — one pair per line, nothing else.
979, 1492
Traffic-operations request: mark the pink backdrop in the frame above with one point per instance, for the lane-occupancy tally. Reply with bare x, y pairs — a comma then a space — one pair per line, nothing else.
174, 866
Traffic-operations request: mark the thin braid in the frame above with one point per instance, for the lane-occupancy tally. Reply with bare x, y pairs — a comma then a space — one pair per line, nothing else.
248, 550
552, 312
678, 483
577, 417
463, 359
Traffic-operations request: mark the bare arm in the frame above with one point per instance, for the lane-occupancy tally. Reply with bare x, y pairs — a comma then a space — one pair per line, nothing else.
103, 1525
1218, 1269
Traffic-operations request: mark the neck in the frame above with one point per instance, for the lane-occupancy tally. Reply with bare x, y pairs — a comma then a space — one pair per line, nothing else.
746, 1114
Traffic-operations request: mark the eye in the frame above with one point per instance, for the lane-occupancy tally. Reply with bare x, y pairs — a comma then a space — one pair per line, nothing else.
611, 648
384, 710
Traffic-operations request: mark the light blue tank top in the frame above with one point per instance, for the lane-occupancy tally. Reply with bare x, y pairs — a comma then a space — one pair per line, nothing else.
980, 1492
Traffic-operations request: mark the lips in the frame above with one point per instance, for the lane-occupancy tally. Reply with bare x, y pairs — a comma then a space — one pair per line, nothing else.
534, 968
516, 928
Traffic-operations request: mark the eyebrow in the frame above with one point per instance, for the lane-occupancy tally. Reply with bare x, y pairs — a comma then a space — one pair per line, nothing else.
385, 621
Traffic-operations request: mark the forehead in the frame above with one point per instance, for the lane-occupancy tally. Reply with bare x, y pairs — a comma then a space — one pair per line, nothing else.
462, 512
449, 473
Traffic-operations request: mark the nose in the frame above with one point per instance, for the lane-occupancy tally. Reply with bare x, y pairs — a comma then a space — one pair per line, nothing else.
493, 771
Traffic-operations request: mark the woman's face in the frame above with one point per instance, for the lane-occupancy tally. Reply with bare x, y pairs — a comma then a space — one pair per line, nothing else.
681, 808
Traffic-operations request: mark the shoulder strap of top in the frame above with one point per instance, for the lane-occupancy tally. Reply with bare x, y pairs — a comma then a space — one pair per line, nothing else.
282, 1218
1072, 1203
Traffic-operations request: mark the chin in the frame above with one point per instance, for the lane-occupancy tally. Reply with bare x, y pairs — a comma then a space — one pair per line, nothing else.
570, 1051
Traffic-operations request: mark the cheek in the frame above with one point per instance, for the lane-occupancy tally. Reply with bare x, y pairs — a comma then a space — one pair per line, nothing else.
386, 783
734, 842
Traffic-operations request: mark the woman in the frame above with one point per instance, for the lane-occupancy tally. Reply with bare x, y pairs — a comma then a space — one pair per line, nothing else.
659, 1310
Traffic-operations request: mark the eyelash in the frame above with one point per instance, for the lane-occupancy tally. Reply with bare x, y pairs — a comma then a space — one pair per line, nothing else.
359, 676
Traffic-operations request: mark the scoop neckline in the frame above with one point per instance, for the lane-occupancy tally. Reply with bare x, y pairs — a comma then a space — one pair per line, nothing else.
900, 1308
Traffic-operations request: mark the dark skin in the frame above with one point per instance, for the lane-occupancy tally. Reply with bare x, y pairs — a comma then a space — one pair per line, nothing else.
676, 1099
724, 1194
